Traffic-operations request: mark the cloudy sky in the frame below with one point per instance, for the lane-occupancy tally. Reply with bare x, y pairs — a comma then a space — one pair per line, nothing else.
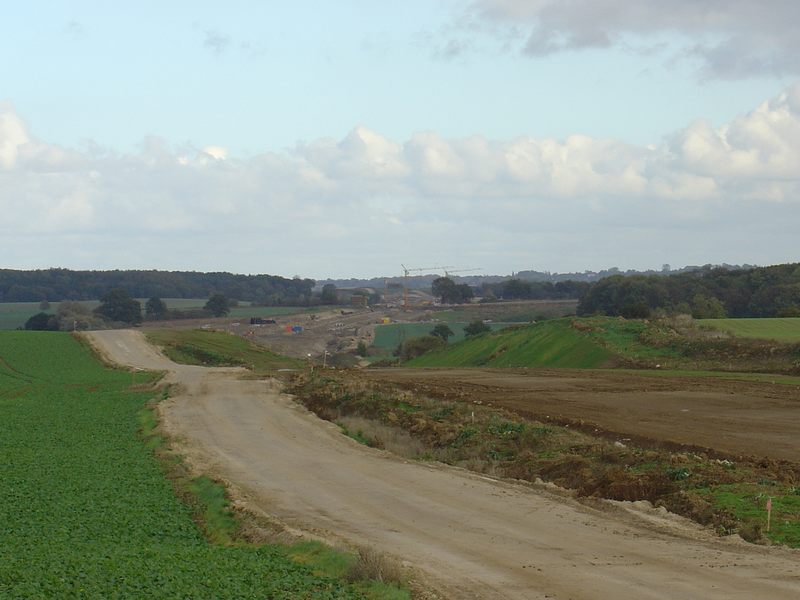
343, 138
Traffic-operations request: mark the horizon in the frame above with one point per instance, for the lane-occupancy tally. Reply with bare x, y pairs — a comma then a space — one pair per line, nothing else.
429, 272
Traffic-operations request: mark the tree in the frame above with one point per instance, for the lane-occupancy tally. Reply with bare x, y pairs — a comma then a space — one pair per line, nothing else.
155, 308
361, 349
218, 305
449, 292
476, 328
42, 322
515, 289
704, 307
635, 310
442, 331
117, 305
328, 295
418, 346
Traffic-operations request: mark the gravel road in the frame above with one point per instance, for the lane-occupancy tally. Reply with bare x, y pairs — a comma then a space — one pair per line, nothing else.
469, 536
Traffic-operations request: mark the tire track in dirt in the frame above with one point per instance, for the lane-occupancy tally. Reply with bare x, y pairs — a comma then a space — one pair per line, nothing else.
471, 536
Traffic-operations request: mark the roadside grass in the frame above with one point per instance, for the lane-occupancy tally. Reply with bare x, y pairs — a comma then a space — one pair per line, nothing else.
209, 499
87, 508
780, 329
217, 349
748, 503
499, 443
377, 435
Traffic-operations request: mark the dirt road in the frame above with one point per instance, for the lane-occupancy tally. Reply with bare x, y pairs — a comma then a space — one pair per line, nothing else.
472, 537
732, 417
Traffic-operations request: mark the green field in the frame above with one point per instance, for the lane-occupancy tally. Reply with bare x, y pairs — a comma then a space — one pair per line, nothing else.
783, 330
85, 506
548, 344
387, 337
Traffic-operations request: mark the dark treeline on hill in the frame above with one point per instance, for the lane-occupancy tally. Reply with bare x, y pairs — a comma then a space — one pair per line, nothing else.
518, 289
56, 285
707, 294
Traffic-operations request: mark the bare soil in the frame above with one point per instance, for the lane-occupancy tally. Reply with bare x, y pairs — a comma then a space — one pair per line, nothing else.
471, 536
730, 417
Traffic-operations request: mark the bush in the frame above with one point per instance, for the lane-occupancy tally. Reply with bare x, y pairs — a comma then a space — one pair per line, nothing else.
476, 328
420, 345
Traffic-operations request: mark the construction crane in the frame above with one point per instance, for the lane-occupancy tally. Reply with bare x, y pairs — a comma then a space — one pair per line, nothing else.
407, 270
447, 271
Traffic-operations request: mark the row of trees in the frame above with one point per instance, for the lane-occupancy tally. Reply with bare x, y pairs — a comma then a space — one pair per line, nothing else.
759, 292
706, 293
519, 289
64, 284
450, 292
117, 306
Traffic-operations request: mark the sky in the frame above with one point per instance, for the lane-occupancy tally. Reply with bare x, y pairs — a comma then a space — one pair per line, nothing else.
343, 139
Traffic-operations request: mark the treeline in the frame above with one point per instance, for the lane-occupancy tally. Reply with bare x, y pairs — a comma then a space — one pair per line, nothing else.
518, 289
715, 293
55, 285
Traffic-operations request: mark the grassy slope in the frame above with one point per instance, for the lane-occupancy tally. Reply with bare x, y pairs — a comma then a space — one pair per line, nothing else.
387, 337
549, 344
86, 509
783, 330
210, 348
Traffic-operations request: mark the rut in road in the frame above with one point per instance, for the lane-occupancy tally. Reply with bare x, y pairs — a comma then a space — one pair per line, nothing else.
471, 537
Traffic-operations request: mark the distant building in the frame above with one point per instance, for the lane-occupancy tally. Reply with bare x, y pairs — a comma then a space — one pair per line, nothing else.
358, 300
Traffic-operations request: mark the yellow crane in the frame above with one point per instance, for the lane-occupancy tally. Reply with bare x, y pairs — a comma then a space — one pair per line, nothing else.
407, 270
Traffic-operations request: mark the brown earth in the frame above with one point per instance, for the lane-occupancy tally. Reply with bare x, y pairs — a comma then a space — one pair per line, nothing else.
469, 535
731, 417
324, 330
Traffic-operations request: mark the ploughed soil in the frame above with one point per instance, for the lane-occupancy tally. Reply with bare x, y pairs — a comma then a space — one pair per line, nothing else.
727, 417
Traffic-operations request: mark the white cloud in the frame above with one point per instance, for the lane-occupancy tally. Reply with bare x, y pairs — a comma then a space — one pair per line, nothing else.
370, 196
13, 135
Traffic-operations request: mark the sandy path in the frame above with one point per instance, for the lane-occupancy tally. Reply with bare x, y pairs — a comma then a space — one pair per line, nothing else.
473, 537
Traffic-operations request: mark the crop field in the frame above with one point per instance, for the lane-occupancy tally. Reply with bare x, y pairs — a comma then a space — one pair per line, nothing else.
783, 330
85, 506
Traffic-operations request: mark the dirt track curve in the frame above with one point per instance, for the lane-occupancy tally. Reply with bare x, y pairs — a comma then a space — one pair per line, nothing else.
470, 536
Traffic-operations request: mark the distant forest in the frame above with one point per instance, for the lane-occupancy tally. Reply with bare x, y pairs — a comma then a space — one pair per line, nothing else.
55, 285
708, 293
